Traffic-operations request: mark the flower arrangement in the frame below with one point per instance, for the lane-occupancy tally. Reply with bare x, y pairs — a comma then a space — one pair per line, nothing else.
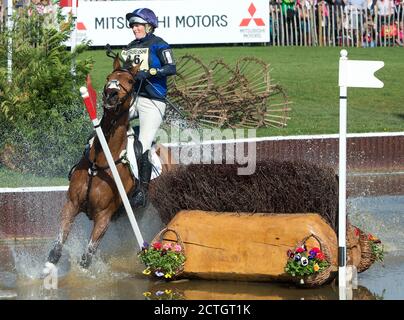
162, 260
376, 247
167, 294
304, 262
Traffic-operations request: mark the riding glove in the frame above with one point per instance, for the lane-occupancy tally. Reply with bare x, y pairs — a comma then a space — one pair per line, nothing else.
142, 75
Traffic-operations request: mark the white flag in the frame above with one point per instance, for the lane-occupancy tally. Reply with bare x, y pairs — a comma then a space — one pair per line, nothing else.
359, 73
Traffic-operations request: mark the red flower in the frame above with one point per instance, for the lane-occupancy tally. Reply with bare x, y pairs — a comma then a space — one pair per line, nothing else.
157, 245
299, 250
316, 250
320, 256
356, 232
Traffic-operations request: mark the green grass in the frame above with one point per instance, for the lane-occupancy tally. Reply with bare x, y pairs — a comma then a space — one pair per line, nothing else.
310, 76
12, 179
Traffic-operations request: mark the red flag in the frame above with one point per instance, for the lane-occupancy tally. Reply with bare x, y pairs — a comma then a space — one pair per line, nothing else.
67, 3
92, 111
91, 91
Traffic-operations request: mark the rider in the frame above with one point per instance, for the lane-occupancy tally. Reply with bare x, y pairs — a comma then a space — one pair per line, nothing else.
157, 62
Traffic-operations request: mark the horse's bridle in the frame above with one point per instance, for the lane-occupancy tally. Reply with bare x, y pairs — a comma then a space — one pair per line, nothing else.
114, 84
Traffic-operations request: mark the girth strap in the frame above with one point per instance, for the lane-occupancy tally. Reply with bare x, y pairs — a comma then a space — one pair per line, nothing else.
94, 168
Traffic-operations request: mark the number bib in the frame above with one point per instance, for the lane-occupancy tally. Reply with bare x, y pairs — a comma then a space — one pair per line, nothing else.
137, 55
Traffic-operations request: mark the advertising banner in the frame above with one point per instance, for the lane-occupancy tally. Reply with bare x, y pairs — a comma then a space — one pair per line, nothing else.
180, 21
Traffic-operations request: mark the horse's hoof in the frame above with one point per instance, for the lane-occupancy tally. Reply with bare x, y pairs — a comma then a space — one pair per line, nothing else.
85, 261
49, 267
55, 254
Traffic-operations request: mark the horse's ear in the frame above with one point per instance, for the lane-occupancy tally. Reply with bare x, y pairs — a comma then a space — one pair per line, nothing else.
117, 63
134, 69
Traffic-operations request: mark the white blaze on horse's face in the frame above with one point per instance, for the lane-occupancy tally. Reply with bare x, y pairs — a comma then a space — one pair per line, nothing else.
118, 91
111, 94
113, 84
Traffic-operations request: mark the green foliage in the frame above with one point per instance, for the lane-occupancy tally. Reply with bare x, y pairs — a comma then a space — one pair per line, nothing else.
42, 118
378, 251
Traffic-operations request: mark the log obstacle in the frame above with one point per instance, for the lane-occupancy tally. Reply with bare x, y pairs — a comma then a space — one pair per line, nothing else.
252, 247
242, 246
241, 227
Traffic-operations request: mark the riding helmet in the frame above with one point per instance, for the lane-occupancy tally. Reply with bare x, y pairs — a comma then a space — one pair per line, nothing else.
143, 16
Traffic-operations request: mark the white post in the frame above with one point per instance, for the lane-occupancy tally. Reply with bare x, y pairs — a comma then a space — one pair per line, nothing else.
342, 185
359, 74
73, 39
10, 41
92, 112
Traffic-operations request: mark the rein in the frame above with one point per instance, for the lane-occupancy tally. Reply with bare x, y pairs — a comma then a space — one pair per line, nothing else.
94, 168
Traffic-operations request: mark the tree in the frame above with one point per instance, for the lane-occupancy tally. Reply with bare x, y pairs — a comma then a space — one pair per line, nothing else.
43, 124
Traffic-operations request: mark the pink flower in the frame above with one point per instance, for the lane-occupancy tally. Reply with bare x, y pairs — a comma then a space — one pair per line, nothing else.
177, 248
299, 250
167, 246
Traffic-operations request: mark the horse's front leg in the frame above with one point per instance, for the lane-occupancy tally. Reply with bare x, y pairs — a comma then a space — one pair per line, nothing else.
101, 223
69, 212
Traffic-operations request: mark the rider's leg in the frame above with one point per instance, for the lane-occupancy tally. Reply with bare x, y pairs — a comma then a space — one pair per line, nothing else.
151, 114
139, 198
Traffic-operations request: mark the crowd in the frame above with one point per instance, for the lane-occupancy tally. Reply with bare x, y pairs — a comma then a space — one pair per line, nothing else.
365, 23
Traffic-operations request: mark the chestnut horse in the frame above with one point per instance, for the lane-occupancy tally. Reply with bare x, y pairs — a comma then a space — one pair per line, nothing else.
92, 188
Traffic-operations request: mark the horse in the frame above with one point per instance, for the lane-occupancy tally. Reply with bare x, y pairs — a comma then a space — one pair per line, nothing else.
92, 188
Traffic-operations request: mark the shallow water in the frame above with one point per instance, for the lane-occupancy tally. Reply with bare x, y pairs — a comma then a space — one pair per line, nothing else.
116, 272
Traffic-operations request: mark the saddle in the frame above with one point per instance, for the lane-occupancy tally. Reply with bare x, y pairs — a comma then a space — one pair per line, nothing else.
127, 156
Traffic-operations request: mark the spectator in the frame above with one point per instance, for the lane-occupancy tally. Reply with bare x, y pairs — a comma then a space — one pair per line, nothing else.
385, 9
288, 11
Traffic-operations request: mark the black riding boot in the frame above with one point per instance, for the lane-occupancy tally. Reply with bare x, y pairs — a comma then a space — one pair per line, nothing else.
139, 198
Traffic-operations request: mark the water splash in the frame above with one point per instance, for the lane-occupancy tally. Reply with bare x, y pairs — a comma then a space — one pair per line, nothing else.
382, 216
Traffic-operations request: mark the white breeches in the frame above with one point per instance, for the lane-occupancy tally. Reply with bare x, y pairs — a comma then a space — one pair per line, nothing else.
151, 114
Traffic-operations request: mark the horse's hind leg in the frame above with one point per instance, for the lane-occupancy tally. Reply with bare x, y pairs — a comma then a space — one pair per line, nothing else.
69, 212
101, 223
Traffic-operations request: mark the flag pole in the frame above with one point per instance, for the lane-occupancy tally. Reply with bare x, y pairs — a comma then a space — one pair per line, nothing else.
342, 182
357, 74
73, 39
93, 116
9, 41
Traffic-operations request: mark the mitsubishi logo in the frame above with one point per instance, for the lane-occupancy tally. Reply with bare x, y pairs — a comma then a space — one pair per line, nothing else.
246, 21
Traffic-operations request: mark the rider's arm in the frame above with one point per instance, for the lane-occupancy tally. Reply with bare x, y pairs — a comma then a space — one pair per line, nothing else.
168, 67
